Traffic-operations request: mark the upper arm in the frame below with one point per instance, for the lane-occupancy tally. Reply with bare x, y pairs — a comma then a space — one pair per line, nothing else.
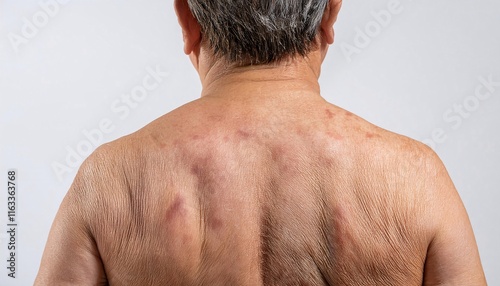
71, 256
452, 256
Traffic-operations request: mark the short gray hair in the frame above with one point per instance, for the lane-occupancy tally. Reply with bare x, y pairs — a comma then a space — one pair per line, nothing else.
252, 32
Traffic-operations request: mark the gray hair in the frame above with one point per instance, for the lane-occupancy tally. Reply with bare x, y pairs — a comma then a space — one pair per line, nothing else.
252, 32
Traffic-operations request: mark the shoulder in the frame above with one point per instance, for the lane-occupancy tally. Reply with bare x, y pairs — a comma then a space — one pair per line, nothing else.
378, 147
120, 165
408, 168
101, 166
98, 178
416, 171
416, 161
117, 157
108, 172
107, 185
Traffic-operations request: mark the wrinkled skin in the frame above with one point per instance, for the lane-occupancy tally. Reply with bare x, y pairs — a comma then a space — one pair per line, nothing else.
218, 193
261, 182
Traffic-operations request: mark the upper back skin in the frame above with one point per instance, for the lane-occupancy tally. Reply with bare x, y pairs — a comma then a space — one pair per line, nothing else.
237, 193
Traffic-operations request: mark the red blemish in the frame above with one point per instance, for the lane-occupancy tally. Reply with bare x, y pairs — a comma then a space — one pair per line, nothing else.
334, 135
328, 160
199, 166
196, 137
243, 134
176, 208
195, 170
340, 224
329, 113
214, 223
371, 135
347, 113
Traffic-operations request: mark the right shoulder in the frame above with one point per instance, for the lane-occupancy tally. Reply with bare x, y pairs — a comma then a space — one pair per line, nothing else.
117, 168
112, 160
101, 167
104, 176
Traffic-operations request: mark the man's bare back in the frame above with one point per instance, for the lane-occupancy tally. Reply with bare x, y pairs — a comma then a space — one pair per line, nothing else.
261, 181
239, 193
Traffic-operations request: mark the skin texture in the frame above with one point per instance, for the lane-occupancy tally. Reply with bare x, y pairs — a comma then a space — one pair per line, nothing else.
261, 182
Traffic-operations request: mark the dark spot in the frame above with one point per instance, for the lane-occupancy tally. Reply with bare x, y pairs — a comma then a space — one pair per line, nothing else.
196, 170
347, 113
277, 153
339, 222
214, 223
157, 140
176, 209
196, 137
329, 113
329, 162
243, 134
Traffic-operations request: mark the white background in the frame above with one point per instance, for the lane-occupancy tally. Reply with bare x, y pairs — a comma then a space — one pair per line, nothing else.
62, 78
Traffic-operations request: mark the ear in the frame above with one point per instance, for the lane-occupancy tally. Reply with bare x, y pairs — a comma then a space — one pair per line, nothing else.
329, 18
191, 30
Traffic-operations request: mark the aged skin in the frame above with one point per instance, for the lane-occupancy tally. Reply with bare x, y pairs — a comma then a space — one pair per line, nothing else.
261, 182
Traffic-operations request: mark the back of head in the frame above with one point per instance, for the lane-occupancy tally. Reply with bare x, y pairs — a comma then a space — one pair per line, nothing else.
254, 32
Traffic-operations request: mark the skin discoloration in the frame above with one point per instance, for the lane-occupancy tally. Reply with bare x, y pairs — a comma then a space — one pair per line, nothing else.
334, 135
196, 170
340, 224
346, 212
329, 113
243, 134
177, 204
278, 153
160, 143
176, 209
215, 223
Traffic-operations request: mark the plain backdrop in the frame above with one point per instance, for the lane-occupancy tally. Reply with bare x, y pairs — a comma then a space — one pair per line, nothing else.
67, 70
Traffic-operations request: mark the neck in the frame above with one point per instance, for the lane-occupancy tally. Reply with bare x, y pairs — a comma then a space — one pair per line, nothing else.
298, 76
